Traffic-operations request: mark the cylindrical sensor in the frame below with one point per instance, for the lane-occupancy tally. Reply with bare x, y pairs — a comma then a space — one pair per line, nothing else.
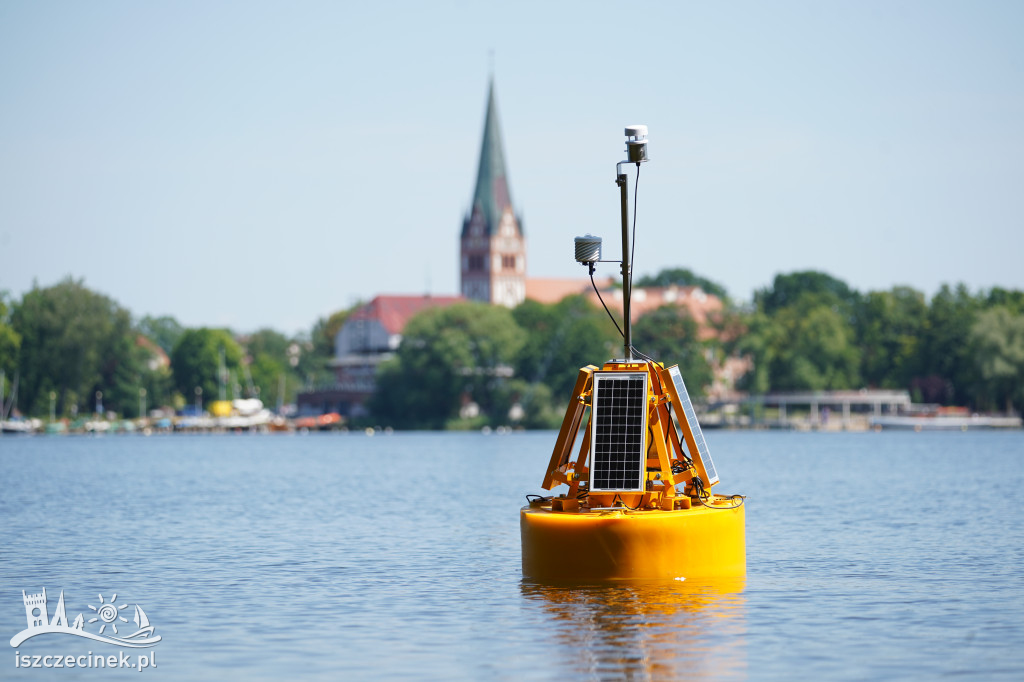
588, 249
636, 143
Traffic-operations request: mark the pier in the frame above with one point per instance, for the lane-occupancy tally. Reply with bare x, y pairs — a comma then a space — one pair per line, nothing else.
854, 408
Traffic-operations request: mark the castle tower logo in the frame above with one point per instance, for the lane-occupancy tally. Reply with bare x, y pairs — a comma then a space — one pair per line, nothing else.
106, 616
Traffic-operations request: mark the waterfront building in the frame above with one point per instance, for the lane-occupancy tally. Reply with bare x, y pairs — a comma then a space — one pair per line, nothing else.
368, 337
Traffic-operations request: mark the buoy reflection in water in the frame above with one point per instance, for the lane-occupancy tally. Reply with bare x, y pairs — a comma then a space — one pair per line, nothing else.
647, 630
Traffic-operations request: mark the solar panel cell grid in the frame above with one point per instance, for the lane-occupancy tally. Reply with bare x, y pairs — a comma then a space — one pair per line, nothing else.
691, 417
618, 432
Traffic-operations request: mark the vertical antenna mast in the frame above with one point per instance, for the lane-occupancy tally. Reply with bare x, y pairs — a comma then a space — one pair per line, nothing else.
636, 150
588, 248
627, 335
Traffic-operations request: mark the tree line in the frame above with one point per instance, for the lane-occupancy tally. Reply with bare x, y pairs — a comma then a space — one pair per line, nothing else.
74, 351
808, 331
472, 364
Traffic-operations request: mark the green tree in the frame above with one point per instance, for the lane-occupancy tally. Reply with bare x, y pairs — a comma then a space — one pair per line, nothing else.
669, 334
76, 343
560, 339
10, 343
447, 355
890, 330
997, 343
163, 331
1011, 299
806, 345
159, 385
948, 373
801, 335
271, 376
195, 362
268, 342
312, 361
326, 329
762, 341
538, 408
124, 373
817, 349
787, 290
682, 277
269, 353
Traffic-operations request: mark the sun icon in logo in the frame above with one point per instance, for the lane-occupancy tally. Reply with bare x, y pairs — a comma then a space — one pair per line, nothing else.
108, 613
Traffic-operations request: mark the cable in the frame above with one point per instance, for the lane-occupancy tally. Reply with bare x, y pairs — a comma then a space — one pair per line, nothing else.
643, 356
623, 502
601, 298
683, 466
702, 495
726, 497
636, 190
698, 487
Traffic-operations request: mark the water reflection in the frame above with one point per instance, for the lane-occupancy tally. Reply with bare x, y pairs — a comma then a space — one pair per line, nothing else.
645, 630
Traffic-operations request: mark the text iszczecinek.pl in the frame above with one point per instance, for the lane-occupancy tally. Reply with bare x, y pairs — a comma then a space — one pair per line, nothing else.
89, 660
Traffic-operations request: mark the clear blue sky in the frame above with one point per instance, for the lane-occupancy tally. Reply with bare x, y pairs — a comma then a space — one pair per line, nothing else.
255, 164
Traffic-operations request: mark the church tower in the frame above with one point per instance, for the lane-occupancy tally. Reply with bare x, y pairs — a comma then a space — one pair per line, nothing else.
493, 249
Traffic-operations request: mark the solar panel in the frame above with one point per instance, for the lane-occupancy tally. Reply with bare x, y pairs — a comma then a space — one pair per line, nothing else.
618, 456
691, 428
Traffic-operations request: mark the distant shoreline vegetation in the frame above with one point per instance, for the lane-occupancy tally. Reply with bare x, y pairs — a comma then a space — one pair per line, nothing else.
66, 351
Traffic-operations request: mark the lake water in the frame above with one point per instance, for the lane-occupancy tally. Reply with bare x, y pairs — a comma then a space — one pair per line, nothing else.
340, 556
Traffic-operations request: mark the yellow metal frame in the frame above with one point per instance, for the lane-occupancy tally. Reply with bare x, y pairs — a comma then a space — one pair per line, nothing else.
655, 533
665, 450
558, 471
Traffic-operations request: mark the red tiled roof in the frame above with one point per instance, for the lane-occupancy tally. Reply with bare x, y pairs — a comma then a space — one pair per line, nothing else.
554, 290
161, 356
394, 312
644, 299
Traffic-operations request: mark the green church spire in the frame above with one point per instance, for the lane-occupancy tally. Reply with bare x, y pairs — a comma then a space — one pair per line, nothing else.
491, 196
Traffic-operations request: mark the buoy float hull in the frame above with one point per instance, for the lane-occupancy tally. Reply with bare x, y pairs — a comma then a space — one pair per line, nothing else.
633, 545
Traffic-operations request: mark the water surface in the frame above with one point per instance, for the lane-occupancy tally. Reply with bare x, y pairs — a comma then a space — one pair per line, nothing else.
338, 556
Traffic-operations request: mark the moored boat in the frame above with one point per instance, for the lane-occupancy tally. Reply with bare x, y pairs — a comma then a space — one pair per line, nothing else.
943, 422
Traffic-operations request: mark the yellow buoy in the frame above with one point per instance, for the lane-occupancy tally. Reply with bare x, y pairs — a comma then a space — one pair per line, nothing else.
698, 542
647, 529
640, 502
